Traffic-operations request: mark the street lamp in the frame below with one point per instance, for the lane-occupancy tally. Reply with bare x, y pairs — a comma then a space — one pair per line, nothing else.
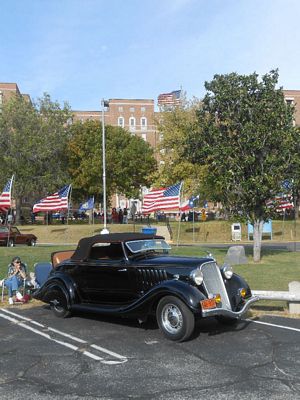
104, 103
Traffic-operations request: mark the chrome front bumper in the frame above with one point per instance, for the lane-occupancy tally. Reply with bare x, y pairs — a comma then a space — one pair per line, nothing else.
229, 313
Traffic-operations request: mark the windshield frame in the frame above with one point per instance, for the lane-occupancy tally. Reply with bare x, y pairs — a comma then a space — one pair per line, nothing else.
160, 246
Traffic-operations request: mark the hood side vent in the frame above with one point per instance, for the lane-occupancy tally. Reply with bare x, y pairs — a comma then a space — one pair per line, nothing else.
148, 277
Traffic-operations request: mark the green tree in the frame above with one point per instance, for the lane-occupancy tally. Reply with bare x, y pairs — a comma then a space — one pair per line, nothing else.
245, 138
174, 125
129, 160
294, 172
33, 141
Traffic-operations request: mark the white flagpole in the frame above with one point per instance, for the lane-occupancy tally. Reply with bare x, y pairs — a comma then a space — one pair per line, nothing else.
179, 222
69, 201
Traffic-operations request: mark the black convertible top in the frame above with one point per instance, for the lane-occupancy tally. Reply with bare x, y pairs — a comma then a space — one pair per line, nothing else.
84, 245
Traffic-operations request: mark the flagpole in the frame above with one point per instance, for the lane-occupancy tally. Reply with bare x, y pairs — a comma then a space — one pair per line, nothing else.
69, 201
104, 230
179, 222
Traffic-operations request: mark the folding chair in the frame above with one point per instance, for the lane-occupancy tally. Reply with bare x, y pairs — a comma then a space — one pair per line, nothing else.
24, 282
41, 272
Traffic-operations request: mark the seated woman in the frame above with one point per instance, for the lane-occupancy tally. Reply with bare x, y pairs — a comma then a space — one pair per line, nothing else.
16, 276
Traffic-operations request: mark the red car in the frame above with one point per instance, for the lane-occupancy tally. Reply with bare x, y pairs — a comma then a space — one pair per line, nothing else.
10, 236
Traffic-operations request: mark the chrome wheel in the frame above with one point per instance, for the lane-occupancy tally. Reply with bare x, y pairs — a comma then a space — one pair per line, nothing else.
175, 319
172, 319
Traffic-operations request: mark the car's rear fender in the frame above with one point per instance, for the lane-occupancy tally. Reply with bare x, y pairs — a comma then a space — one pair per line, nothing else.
61, 282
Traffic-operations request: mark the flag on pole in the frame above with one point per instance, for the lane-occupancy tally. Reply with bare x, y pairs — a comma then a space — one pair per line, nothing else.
5, 197
190, 203
281, 203
169, 99
162, 199
54, 202
88, 205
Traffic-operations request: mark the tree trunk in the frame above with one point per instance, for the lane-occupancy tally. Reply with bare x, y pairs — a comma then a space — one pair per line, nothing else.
257, 237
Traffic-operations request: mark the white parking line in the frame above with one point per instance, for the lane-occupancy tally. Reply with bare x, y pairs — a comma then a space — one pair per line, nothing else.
275, 325
16, 319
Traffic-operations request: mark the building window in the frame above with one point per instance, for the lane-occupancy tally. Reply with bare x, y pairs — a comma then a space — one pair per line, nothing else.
132, 109
132, 123
289, 100
1, 98
143, 123
120, 109
144, 136
121, 122
143, 109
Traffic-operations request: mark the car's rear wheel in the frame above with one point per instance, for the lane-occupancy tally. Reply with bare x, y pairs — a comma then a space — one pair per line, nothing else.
10, 243
32, 242
175, 319
59, 304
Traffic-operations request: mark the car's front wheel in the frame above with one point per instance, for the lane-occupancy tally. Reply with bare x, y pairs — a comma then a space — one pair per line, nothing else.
32, 242
175, 319
59, 304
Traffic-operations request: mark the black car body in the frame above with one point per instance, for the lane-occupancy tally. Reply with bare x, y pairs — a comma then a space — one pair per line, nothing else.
132, 275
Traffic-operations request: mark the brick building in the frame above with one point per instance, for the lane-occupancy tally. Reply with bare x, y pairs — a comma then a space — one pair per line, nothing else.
10, 89
293, 97
135, 115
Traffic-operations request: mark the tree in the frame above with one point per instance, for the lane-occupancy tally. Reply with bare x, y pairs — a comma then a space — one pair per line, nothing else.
129, 160
293, 182
33, 141
174, 125
245, 137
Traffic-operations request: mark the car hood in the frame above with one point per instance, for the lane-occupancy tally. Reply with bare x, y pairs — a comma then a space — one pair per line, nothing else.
174, 262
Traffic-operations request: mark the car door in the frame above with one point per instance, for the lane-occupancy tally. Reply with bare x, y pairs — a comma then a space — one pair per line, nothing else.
17, 236
108, 282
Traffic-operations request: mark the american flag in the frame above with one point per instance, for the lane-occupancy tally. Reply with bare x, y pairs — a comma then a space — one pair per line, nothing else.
162, 199
281, 203
54, 202
5, 197
169, 99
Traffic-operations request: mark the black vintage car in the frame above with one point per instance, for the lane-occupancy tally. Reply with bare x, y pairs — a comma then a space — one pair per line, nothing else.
132, 275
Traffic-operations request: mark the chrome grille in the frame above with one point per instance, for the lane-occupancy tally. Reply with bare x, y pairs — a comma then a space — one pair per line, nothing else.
213, 282
148, 277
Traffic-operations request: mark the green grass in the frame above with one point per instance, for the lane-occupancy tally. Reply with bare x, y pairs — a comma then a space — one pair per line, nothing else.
274, 272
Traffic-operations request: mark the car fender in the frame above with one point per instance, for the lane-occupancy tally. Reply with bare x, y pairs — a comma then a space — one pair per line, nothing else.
57, 281
236, 283
186, 292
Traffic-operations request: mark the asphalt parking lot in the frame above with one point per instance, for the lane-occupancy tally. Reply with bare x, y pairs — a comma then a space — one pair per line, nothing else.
91, 357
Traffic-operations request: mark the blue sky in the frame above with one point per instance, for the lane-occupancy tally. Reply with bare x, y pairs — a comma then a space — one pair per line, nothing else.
81, 51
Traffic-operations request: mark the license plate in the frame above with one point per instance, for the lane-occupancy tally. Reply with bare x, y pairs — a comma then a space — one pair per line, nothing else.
208, 303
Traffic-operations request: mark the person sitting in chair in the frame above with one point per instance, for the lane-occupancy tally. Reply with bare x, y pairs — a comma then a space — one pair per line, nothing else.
16, 276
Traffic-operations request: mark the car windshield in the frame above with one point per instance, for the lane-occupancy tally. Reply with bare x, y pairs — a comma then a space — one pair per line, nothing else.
139, 246
3, 229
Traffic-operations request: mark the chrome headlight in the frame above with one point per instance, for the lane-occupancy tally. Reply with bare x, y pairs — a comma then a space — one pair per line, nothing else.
197, 276
227, 271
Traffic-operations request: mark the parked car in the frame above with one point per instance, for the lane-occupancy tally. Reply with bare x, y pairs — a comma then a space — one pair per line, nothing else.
133, 275
10, 236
